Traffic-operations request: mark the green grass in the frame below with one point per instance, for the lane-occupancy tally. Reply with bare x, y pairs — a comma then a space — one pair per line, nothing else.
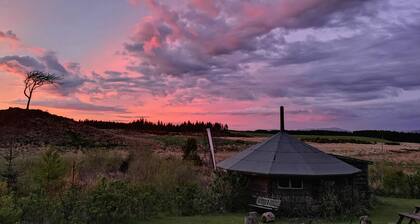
385, 211
213, 219
177, 141
171, 140
248, 134
320, 138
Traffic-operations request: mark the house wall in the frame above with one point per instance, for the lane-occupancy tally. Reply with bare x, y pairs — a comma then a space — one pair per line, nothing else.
361, 180
294, 201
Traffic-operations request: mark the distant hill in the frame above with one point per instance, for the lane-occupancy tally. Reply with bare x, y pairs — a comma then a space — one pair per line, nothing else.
38, 127
335, 129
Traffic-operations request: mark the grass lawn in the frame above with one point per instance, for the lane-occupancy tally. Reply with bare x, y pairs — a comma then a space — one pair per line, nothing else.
385, 211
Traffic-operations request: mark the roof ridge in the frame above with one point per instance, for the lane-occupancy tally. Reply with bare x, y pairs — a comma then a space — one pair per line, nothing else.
299, 154
275, 152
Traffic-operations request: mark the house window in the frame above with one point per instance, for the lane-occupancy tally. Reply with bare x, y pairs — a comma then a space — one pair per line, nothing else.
290, 183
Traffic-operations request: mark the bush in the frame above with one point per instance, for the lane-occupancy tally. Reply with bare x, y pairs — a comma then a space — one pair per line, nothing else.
190, 151
186, 199
395, 183
414, 184
228, 192
39, 208
392, 181
151, 185
49, 173
111, 202
9, 210
329, 202
73, 206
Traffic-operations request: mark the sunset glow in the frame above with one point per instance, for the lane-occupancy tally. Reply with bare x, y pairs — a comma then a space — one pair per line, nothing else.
347, 64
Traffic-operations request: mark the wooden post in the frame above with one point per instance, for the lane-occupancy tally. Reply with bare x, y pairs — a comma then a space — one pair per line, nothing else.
73, 174
211, 148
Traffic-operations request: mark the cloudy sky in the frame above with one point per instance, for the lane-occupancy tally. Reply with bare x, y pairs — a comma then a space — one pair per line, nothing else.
351, 64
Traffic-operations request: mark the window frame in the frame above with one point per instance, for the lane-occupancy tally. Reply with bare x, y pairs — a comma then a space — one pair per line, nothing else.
290, 184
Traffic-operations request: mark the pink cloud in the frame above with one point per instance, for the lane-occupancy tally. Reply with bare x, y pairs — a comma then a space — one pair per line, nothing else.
167, 29
207, 6
8, 36
13, 67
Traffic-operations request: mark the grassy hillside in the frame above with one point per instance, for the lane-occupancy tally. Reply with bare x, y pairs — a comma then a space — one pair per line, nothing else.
37, 128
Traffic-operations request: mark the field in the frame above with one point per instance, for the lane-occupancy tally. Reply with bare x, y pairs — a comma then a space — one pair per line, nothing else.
88, 164
385, 211
373, 149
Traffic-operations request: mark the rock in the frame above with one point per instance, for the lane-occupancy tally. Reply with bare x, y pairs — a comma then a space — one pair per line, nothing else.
364, 220
268, 217
251, 218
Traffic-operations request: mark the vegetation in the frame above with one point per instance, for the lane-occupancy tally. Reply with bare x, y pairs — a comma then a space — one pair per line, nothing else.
75, 180
385, 210
340, 139
10, 174
190, 151
47, 192
390, 136
159, 127
36, 129
389, 180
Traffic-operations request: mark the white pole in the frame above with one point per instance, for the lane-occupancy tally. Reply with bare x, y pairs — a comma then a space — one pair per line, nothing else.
211, 148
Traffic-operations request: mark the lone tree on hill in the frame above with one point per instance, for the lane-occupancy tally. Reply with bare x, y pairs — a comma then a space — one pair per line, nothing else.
35, 79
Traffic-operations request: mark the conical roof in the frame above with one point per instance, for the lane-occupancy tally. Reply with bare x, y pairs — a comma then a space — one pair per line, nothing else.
283, 154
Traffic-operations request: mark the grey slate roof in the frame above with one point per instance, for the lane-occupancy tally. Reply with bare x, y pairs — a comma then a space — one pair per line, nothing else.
283, 154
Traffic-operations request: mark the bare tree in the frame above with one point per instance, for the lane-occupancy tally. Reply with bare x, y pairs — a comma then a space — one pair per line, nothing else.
36, 79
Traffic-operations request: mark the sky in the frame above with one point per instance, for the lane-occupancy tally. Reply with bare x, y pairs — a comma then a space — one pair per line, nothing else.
351, 64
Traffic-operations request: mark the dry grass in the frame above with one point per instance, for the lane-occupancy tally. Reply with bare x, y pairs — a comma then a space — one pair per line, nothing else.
405, 153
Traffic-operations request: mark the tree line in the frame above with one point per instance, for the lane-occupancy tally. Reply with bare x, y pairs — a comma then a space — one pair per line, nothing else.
149, 126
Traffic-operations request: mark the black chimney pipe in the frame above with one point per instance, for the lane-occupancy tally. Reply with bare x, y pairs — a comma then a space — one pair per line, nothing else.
282, 119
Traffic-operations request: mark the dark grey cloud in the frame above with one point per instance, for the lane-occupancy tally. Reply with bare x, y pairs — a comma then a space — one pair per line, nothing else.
190, 44
71, 78
363, 67
322, 56
21, 62
73, 104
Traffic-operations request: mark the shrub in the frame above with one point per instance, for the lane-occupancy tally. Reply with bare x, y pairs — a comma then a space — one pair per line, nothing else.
414, 184
395, 183
186, 195
190, 151
389, 180
110, 202
99, 162
49, 173
9, 210
73, 206
148, 201
228, 192
329, 202
164, 174
39, 208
